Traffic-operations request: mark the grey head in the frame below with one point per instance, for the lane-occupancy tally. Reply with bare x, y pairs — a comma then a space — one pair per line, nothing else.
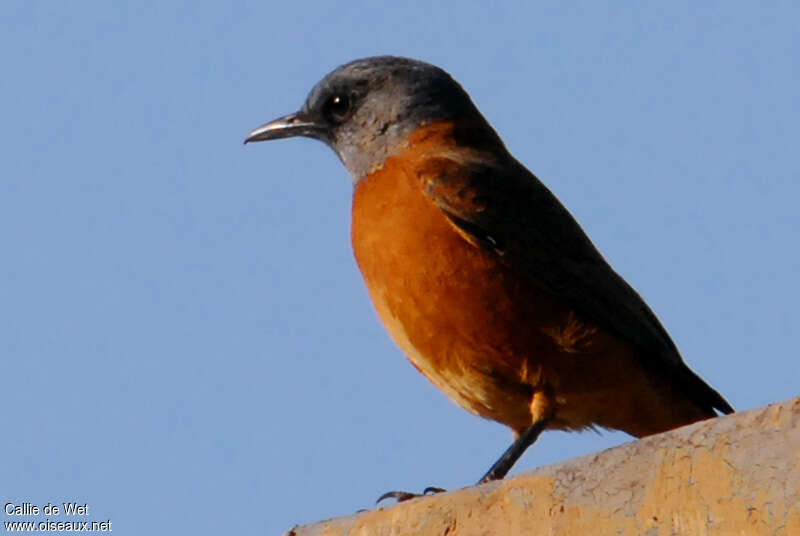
365, 109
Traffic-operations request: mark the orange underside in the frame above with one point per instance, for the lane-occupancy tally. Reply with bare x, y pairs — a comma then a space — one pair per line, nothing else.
494, 343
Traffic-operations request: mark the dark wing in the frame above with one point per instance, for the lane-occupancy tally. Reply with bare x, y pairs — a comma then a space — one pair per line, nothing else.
505, 208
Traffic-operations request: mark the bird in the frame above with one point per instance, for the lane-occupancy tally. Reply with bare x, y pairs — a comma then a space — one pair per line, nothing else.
480, 275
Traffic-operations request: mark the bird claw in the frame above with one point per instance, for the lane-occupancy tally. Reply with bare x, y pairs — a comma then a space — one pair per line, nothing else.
402, 496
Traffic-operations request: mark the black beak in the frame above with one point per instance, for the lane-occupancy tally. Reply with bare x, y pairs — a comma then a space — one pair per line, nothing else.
288, 126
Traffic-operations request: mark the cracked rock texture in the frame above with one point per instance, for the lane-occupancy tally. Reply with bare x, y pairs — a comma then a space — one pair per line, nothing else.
735, 475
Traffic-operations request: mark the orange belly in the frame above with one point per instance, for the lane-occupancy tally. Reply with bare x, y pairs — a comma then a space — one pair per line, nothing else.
486, 337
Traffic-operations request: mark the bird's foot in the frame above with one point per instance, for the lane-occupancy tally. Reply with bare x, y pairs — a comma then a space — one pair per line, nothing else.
402, 496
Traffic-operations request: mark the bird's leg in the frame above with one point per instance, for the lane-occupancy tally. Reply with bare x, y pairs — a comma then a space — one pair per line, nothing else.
502, 466
542, 412
497, 471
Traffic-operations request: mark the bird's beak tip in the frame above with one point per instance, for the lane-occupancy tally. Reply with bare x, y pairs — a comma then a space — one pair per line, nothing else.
296, 124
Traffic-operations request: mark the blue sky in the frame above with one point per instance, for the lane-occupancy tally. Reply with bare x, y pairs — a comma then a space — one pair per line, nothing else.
186, 343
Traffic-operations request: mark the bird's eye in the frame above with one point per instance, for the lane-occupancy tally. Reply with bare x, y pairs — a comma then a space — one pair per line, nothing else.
337, 108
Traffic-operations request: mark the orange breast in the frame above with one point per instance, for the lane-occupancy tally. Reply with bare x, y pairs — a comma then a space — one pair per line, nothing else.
445, 302
484, 336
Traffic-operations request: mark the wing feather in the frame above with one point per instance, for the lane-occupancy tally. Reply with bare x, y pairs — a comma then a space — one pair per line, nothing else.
507, 210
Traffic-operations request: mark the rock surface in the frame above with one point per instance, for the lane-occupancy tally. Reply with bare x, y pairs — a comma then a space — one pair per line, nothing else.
727, 476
